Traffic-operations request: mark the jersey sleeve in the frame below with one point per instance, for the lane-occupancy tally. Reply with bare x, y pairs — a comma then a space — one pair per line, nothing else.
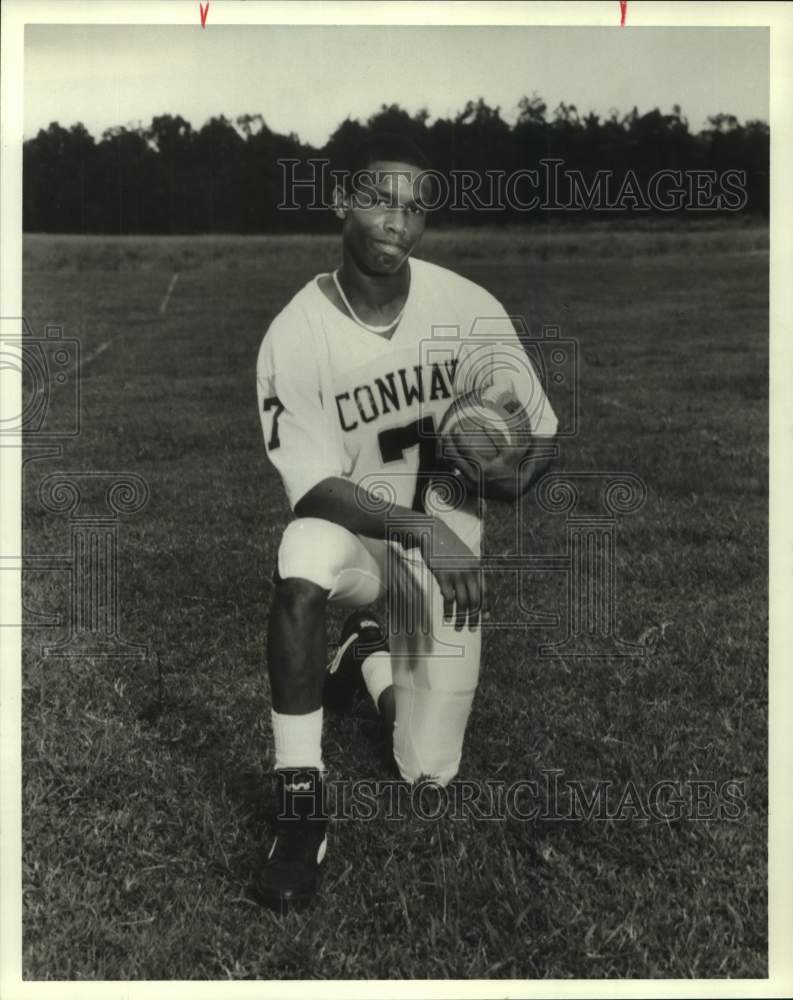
299, 437
492, 356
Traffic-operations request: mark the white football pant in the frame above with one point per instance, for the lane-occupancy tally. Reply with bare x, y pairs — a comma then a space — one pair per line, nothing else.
434, 668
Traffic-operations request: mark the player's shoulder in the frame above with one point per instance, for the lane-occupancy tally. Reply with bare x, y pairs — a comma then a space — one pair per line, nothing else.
291, 328
298, 310
466, 294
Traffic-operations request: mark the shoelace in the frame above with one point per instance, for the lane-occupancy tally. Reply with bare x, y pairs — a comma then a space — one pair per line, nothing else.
333, 666
334, 663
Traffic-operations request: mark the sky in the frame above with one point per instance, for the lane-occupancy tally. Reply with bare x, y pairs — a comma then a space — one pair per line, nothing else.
307, 79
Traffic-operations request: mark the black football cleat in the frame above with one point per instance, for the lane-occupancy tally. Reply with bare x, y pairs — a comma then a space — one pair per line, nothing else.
290, 877
360, 636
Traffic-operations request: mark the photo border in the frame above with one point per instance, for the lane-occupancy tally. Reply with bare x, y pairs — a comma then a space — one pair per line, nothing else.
639, 16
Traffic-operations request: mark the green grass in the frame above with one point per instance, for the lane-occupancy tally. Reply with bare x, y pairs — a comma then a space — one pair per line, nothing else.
144, 820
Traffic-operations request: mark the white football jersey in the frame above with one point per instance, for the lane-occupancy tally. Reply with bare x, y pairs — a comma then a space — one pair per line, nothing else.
338, 400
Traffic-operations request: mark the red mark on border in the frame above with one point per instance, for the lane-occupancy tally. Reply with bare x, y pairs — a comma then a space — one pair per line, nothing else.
204, 11
623, 11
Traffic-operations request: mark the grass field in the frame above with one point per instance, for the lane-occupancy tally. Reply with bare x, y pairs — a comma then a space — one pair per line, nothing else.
145, 817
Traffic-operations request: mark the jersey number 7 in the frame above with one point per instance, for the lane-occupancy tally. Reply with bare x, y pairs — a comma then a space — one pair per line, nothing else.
395, 441
269, 403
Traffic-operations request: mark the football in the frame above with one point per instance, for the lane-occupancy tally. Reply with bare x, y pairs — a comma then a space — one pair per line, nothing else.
483, 436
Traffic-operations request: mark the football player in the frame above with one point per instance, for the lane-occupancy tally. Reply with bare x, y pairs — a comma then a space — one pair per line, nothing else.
354, 376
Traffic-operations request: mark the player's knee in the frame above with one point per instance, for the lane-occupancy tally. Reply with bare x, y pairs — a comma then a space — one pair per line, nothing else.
315, 550
429, 734
439, 772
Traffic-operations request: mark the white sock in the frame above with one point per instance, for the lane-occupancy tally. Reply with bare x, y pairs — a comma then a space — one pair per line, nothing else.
376, 670
298, 740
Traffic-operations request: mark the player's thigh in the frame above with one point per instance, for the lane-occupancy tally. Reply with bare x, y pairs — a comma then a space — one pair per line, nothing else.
333, 558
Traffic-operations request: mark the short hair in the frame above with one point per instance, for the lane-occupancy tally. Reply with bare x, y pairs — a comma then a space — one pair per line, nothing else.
387, 146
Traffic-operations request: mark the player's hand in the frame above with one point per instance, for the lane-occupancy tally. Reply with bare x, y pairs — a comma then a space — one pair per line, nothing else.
502, 476
458, 573
506, 476
497, 478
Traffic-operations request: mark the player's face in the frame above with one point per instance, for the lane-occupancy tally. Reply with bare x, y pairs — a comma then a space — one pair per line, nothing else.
384, 219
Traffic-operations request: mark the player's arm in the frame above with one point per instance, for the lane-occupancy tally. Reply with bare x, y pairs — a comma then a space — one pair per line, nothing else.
297, 436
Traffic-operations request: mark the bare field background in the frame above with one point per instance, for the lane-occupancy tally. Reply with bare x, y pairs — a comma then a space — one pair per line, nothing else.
546, 242
145, 814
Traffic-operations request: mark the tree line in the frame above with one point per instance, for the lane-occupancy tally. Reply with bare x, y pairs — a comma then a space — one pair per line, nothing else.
226, 177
